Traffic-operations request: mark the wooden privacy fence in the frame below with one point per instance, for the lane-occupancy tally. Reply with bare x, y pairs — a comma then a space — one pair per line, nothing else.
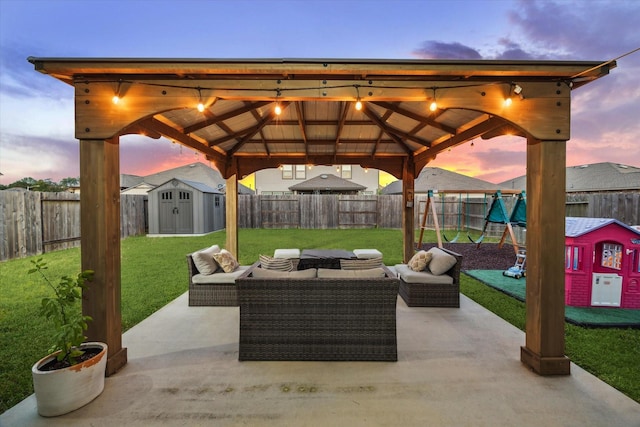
319, 211
32, 222
455, 212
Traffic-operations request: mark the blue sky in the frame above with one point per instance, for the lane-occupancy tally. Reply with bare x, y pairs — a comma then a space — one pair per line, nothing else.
36, 111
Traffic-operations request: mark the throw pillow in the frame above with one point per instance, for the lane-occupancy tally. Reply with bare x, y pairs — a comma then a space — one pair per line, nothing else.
204, 260
441, 262
226, 260
279, 264
360, 264
420, 260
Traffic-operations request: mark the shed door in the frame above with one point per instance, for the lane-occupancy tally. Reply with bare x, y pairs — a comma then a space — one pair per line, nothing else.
184, 217
176, 212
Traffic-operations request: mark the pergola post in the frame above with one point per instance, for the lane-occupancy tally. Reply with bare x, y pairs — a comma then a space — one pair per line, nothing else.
100, 244
408, 230
544, 349
231, 204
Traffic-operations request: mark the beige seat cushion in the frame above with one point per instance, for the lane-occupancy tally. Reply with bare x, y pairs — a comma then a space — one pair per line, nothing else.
441, 262
330, 273
425, 277
286, 253
204, 260
219, 278
263, 273
360, 264
367, 253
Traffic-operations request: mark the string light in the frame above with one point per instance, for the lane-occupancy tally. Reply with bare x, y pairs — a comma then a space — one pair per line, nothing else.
278, 109
116, 97
513, 88
358, 101
200, 104
434, 105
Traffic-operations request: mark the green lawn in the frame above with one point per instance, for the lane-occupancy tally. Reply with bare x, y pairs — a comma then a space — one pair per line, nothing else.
154, 272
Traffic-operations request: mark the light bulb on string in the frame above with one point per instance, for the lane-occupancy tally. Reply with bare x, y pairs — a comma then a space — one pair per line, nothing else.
277, 109
358, 101
434, 105
200, 104
116, 96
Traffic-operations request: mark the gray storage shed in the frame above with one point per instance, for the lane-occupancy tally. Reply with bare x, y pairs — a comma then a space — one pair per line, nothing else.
185, 207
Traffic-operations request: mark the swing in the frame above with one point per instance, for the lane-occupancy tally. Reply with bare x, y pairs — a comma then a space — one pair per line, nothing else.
497, 215
457, 236
518, 218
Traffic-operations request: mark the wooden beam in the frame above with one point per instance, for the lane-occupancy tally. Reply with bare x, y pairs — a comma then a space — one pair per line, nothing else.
214, 120
100, 245
167, 131
231, 204
302, 125
257, 128
425, 120
544, 351
408, 227
488, 125
397, 139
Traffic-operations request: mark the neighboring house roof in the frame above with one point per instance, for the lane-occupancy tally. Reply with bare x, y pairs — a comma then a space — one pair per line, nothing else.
575, 227
194, 172
327, 181
128, 181
441, 180
592, 177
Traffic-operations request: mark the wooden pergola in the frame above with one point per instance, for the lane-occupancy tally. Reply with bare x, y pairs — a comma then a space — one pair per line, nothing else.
395, 130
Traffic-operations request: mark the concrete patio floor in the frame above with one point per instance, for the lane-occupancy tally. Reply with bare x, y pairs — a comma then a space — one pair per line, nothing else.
456, 367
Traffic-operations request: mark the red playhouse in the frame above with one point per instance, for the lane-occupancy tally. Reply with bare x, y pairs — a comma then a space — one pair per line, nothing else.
602, 263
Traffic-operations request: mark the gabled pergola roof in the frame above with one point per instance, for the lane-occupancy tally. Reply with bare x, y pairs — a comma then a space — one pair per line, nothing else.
395, 131
240, 132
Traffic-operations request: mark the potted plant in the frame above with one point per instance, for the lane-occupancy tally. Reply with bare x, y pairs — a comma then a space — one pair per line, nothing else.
73, 374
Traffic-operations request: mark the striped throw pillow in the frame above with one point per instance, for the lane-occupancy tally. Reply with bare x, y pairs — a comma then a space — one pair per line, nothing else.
280, 264
360, 264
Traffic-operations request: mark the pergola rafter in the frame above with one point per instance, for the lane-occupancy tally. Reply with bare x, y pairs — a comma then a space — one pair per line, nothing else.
394, 132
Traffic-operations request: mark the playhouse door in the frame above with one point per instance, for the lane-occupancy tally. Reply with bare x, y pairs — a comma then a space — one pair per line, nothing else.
606, 290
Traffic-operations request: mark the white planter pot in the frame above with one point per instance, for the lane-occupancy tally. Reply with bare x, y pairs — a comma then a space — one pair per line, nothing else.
64, 390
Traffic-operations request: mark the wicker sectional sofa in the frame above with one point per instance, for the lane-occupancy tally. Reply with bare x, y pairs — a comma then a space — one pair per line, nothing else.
317, 314
425, 289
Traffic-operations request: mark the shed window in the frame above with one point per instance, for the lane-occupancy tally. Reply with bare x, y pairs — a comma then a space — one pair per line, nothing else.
611, 256
216, 201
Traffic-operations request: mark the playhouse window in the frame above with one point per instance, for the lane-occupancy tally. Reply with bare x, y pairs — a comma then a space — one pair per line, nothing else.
572, 258
611, 256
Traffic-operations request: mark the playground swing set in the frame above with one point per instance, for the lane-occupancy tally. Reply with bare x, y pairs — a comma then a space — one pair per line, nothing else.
497, 214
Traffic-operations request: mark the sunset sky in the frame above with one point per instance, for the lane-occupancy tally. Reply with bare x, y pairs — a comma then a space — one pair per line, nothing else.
37, 115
